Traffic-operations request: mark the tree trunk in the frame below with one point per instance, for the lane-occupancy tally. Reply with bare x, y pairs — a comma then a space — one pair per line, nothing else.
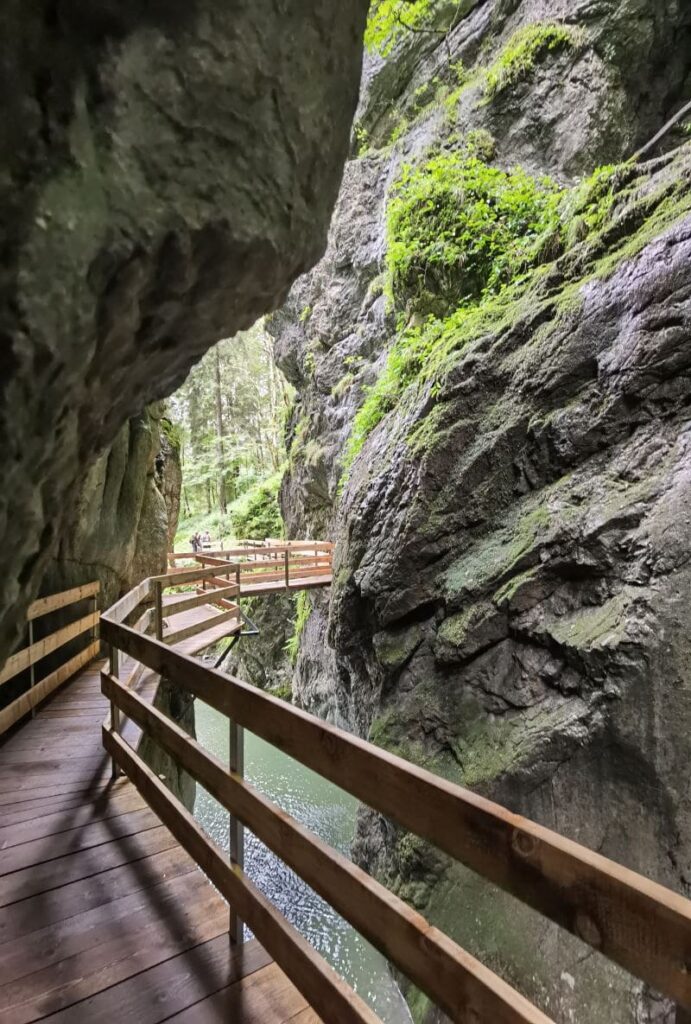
220, 454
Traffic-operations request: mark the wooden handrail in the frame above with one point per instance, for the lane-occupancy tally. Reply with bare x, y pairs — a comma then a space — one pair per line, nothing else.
119, 611
28, 657
176, 636
215, 596
456, 981
280, 564
46, 645
182, 576
46, 605
327, 993
635, 922
292, 546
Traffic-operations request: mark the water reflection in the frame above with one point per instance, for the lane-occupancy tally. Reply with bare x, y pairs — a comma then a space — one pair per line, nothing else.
330, 814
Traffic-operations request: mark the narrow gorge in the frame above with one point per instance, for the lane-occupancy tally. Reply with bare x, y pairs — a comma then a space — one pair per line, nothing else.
405, 284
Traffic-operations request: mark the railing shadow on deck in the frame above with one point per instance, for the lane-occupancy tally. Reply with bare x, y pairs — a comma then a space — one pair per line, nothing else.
629, 919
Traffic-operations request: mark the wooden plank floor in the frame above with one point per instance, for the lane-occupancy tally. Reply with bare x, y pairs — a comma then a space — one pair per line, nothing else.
104, 917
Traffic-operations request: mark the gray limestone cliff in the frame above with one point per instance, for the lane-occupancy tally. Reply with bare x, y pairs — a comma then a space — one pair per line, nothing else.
125, 515
507, 470
168, 170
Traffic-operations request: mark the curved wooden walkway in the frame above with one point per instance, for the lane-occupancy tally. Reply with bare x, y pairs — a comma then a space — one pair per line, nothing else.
104, 916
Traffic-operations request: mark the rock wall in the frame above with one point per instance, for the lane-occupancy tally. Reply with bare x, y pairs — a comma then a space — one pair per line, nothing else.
262, 660
126, 510
168, 474
512, 566
168, 170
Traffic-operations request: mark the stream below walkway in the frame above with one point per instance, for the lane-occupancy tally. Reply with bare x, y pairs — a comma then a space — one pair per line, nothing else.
330, 814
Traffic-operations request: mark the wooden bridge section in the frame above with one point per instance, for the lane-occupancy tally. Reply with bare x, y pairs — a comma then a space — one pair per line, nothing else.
107, 917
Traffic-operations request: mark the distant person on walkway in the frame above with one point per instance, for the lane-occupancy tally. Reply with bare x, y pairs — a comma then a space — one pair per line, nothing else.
206, 538
195, 541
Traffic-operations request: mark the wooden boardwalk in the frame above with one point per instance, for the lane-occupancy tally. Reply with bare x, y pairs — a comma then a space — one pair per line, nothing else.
104, 916
107, 917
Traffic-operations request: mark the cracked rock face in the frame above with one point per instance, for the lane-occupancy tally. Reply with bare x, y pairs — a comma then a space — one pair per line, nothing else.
512, 576
168, 170
122, 524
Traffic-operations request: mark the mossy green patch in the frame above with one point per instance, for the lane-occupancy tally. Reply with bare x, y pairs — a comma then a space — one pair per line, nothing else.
256, 513
486, 748
172, 431
500, 555
393, 648
509, 591
284, 692
588, 628
303, 610
478, 748
427, 433
467, 631
524, 50
497, 248
343, 385
459, 229
389, 20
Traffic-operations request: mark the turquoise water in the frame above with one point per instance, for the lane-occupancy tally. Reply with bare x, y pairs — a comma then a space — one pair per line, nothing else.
330, 814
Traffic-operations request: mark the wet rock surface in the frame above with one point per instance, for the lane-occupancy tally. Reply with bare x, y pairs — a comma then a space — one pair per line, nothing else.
514, 538
261, 658
126, 511
168, 170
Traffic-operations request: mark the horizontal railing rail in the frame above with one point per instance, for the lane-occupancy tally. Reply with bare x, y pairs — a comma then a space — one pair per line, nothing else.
326, 992
267, 549
30, 656
631, 920
457, 982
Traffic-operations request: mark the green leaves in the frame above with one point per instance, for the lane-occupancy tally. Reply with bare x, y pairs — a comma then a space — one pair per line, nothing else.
458, 228
256, 514
389, 20
228, 419
460, 236
303, 610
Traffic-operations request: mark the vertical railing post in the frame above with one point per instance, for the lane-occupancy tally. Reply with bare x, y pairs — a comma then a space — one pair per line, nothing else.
237, 576
114, 710
158, 610
96, 629
32, 667
286, 558
236, 836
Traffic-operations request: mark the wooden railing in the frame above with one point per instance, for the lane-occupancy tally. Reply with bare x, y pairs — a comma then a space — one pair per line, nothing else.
282, 564
629, 919
29, 658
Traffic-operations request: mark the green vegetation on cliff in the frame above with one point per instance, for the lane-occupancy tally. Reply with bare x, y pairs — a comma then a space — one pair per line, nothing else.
390, 19
459, 232
256, 513
303, 609
524, 50
472, 248
459, 229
